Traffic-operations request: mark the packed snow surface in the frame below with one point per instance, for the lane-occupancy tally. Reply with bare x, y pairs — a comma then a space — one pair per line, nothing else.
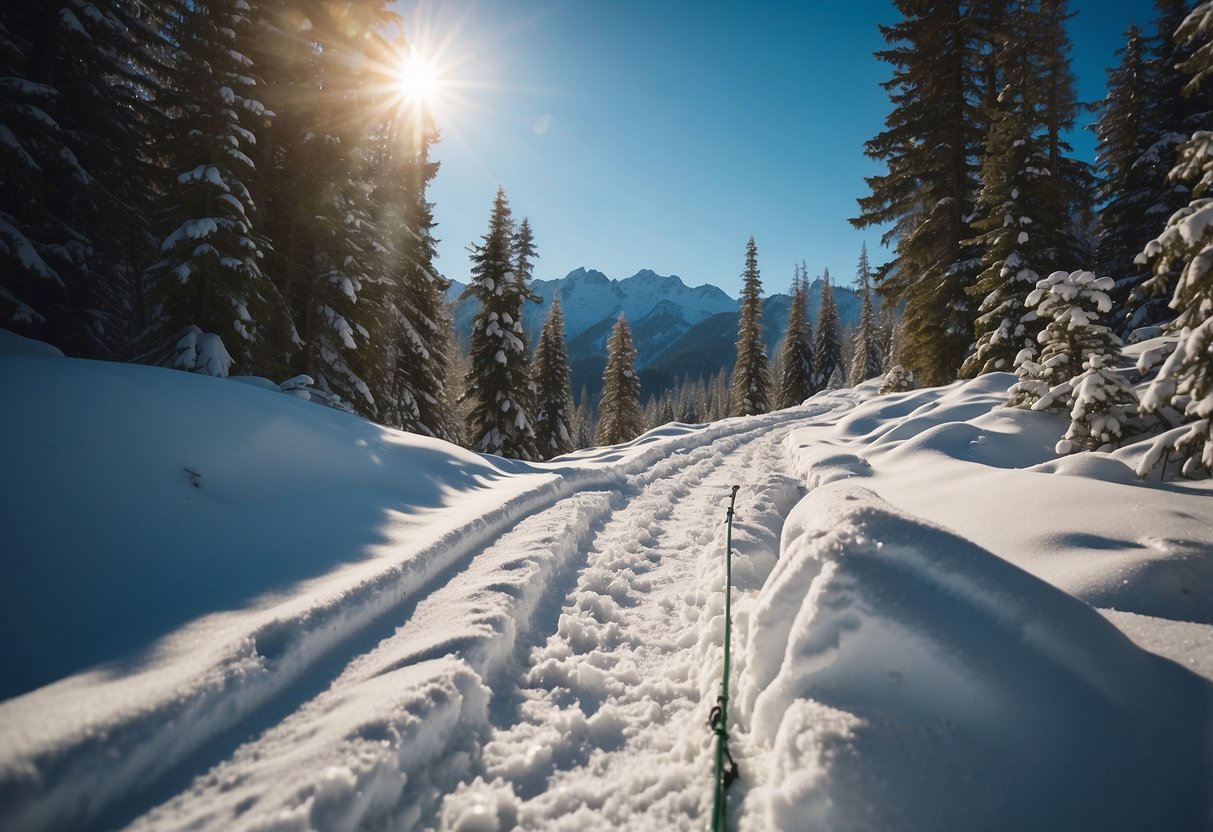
230, 608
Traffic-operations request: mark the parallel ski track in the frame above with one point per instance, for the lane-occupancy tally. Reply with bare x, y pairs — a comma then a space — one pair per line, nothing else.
562, 743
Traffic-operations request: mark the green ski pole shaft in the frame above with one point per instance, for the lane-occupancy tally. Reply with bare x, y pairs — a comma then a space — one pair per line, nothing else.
720, 714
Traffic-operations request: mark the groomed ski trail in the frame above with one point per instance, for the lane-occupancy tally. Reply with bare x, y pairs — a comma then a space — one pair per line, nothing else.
606, 727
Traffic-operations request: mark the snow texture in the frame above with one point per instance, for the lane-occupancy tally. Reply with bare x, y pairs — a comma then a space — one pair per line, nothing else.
226, 608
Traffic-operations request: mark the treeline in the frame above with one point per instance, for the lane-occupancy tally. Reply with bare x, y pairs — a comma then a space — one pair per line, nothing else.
224, 186
997, 228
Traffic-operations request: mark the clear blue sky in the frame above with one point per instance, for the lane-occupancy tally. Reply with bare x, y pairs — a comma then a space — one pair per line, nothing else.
662, 135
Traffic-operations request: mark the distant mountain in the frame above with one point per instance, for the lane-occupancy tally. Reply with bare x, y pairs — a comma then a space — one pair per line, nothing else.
678, 330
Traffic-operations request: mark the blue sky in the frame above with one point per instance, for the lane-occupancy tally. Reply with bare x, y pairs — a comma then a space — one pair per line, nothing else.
662, 135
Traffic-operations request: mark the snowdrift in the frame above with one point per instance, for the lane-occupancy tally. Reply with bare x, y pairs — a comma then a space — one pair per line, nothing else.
901, 677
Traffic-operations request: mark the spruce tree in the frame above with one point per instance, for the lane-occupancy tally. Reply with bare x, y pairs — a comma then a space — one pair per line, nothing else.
1133, 191
419, 325
213, 305
751, 383
1073, 305
867, 357
796, 355
925, 198
554, 405
583, 421
78, 109
827, 349
619, 416
1185, 381
499, 384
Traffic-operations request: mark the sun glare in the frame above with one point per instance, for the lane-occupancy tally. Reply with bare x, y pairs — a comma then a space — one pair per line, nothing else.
417, 80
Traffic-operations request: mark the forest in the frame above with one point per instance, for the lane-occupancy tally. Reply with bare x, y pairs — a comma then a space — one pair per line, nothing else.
238, 187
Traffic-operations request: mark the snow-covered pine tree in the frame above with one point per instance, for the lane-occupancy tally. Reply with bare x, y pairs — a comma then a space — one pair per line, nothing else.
751, 391
619, 416
77, 105
1172, 118
932, 136
896, 380
414, 395
665, 413
1071, 304
213, 306
499, 384
554, 401
1132, 190
1185, 381
827, 349
1102, 405
583, 421
868, 356
1026, 206
796, 351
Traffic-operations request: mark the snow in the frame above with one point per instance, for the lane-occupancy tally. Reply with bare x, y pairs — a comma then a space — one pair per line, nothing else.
230, 608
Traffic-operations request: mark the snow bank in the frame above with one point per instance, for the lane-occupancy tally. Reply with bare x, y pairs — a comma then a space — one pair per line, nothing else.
900, 676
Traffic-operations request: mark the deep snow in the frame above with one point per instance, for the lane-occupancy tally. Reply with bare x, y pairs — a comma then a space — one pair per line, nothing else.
229, 608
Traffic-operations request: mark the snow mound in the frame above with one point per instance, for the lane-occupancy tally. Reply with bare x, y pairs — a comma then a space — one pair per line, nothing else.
13, 344
900, 676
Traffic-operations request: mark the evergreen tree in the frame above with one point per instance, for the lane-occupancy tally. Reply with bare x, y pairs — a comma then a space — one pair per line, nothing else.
867, 357
896, 380
1132, 189
665, 415
554, 407
827, 350
499, 384
1174, 113
1185, 381
583, 421
931, 140
77, 109
213, 305
751, 383
419, 327
1072, 304
796, 354
1031, 189
619, 416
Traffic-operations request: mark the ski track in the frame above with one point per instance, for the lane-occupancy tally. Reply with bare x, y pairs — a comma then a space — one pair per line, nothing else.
620, 692
598, 628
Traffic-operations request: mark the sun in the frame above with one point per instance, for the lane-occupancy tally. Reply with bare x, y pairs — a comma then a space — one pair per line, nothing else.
417, 79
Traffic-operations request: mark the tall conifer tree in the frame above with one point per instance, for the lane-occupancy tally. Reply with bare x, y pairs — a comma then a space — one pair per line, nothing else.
499, 384
867, 355
827, 348
619, 416
751, 382
932, 137
554, 407
1185, 381
796, 356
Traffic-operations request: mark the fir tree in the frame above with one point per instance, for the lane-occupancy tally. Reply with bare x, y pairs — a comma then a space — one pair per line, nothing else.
78, 109
554, 407
932, 136
1185, 381
208, 288
665, 414
1031, 190
583, 421
827, 350
1132, 189
896, 380
1072, 304
751, 382
499, 384
796, 354
619, 416
415, 395
867, 355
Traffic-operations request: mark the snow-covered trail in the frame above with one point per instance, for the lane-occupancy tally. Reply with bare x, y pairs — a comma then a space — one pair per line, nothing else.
577, 650
606, 725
